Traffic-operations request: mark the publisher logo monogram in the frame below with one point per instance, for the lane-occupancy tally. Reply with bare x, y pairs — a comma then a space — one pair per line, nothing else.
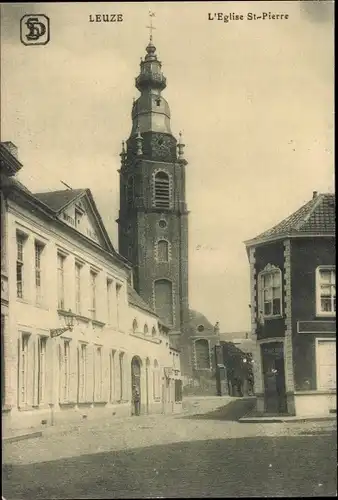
34, 29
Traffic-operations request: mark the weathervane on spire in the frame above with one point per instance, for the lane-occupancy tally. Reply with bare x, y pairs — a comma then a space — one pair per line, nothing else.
151, 27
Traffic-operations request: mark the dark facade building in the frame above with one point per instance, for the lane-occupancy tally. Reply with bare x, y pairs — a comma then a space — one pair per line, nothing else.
153, 218
293, 306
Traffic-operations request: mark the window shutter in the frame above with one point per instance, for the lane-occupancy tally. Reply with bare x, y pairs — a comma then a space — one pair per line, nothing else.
126, 378
73, 372
61, 371
20, 370
49, 366
112, 376
78, 373
90, 374
105, 375
31, 397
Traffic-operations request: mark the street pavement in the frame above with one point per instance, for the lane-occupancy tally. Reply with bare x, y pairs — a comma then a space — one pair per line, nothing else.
202, 453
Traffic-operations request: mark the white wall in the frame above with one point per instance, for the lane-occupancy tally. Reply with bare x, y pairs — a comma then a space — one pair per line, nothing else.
114, 338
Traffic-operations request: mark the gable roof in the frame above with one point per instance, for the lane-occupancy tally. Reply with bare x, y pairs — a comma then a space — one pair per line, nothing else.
58, 200
135, 300
316, 218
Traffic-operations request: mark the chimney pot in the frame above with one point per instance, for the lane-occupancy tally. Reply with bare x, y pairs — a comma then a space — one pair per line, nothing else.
315, 194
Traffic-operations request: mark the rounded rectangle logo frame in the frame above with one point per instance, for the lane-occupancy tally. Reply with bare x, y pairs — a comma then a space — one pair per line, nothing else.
34, 29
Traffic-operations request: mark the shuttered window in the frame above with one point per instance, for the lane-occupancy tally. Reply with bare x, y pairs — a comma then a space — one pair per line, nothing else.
42, 344
162, 190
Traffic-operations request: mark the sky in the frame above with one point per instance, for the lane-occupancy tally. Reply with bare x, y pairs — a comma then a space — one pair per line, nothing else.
253, 99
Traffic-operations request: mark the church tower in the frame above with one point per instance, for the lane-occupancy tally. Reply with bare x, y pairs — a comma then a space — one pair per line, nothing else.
153, 217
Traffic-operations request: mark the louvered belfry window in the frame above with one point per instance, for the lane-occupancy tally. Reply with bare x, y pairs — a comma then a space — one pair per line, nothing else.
162, 191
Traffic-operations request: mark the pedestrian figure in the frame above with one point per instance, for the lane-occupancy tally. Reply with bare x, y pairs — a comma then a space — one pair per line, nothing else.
136, 398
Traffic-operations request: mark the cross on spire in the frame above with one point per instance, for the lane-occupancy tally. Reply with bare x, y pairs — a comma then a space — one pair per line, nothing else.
151, 27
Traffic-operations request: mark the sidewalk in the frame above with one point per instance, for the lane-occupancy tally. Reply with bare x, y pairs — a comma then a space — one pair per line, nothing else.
287, 418
191, 405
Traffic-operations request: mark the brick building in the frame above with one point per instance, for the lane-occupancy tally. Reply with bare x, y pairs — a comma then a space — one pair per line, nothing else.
77, 340
153, 221
293, 306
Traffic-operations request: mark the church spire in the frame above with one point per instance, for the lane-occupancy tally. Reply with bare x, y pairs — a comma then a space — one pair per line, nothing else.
151, 27
150, 111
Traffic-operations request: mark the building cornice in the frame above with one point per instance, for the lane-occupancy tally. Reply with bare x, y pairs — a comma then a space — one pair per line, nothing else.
258, 242
8, 162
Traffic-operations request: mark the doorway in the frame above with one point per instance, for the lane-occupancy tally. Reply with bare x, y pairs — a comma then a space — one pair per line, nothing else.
274, 377
136, 385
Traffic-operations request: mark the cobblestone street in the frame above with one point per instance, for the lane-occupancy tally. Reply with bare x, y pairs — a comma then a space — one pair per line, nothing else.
200, 453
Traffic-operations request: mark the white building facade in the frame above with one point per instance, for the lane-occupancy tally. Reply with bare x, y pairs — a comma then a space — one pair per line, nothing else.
77, 338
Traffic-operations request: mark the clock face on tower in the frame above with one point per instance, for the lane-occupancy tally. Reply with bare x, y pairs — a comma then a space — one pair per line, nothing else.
161, 145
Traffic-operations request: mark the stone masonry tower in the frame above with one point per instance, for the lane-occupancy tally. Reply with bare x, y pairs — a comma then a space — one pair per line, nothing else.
153, 217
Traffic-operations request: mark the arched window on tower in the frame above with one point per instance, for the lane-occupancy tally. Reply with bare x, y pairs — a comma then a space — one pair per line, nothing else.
162, 190
163, 251
135, 326
130, 190
164, 300
202, 355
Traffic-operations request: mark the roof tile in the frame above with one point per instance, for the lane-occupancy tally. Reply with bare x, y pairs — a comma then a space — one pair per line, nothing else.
56, 200
316, 217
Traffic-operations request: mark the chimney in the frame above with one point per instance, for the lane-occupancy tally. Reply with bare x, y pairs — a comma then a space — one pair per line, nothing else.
314, 194
12, 148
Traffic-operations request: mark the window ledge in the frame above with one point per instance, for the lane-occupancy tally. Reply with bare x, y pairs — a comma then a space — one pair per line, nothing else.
23, 301
314, 391
276, 316
25, 407
41, 406
67, 404
42, 306
325, 315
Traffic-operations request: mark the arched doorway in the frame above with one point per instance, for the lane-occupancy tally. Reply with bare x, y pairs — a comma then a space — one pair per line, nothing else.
136, 385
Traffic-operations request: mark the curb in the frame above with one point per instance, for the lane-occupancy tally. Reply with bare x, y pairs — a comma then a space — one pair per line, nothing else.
21, 437
264, 420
